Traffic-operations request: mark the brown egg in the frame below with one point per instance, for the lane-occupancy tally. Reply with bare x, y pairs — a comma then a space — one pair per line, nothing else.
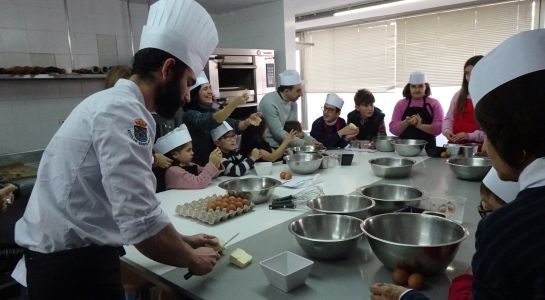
400, 276
288, 176
232, 207
416, 281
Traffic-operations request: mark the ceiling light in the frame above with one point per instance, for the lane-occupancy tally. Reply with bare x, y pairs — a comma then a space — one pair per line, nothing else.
374, 7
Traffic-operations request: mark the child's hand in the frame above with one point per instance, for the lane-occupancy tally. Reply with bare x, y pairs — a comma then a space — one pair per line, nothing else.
255, 154
291, 136
215, 157
254, 119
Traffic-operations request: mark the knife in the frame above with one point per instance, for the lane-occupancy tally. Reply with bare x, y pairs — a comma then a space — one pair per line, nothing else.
189, 273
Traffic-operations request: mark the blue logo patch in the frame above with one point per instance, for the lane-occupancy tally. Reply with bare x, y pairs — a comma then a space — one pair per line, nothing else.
139, 133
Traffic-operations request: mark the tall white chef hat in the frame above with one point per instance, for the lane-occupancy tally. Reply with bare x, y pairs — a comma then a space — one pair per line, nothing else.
173, 139
182, 28
201, 79
519, 55
506, 190
417, 77
335, 100
289, 77
219, 131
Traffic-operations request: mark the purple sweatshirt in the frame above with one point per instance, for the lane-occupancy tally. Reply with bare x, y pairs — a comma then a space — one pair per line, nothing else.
399, 109
448, 122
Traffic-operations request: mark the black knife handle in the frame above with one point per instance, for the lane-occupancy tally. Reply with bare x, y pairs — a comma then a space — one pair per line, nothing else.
281, 205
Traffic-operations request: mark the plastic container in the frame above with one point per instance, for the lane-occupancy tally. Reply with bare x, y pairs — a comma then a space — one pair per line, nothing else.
263, 168
287, 270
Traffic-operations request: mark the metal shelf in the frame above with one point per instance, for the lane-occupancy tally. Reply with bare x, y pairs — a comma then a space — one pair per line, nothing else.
51, 76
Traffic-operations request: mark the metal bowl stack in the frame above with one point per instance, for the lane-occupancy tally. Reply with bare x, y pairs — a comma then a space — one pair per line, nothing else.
420, 243
392, 197
384, 143
257, 189
470, 168
462, 150
392, 167
306, 149
304, 163
327, 236
409, 147
352, 205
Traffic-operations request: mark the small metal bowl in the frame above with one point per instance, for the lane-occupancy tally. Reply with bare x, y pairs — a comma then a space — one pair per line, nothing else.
462, 150
256, 189
384, 143
304, 163
327, 236
392, 167
392, 197
306, 149
420, 243
470, 168
409, 147
352, 205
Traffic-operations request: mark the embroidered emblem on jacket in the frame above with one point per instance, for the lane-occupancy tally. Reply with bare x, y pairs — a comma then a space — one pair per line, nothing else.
139, 133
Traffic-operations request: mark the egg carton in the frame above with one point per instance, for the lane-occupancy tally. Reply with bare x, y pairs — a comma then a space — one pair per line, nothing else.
198, 210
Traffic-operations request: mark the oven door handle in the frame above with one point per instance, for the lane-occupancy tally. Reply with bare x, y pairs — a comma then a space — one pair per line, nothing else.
237, 66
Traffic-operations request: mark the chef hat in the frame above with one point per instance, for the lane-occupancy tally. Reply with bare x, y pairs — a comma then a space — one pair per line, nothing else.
417, 78
173, 139
289, 77
219, 131
201, 79
519, 55
335, 100
506, 190
182, 28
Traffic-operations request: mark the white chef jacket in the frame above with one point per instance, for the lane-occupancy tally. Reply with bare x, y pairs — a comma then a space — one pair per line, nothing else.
95, 184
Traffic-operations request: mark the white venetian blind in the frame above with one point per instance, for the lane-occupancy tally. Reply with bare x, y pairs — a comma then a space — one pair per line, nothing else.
381, 55
345, 59
440, 43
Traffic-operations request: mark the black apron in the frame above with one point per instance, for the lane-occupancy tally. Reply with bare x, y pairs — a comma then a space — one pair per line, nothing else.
412, 132
91, 272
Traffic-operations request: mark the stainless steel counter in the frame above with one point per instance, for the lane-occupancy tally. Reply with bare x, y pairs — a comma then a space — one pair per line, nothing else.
342, 279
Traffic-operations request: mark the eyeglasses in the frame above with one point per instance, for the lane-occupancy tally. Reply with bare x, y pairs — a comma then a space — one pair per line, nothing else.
482, 211
331, 109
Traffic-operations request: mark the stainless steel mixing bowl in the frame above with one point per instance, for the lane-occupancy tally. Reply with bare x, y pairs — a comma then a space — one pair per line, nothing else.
384, 143
420, 243
470, 168
304, 163
327, 236
462, 150
352, 205
256, 189
408, 147
392, 197
392, 167
306, 149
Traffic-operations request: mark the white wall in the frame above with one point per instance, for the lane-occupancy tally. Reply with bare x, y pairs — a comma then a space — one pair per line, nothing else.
34, 33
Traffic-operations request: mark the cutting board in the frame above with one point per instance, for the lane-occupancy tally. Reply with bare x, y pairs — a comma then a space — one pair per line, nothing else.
16, 171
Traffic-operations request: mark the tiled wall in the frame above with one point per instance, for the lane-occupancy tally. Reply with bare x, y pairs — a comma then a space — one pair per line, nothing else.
34, 32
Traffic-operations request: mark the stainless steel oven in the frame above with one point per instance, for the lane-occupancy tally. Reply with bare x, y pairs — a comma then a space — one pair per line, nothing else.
232, 71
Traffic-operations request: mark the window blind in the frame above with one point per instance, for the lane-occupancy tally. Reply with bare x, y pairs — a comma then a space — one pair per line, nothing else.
381, 55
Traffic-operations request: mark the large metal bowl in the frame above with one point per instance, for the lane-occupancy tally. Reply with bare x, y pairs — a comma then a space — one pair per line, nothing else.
462, 150
384, 143
470, 168
306, 149
392, 167
352, 205
327, 236
415, 242
256, 189
409, 147
392, 197
304, 163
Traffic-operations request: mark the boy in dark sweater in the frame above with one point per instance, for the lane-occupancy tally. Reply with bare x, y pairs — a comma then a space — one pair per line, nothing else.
234, 163
368, 118
330, 129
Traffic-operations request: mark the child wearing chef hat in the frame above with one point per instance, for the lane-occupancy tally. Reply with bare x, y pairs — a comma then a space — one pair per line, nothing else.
234, 163
184, 174
496, 193
330, 129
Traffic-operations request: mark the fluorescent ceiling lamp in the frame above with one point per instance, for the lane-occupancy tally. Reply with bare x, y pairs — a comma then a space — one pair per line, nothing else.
374, 7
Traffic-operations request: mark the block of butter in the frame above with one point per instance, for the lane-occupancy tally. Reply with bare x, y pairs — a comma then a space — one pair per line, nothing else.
240, 258
218, 247
352, 125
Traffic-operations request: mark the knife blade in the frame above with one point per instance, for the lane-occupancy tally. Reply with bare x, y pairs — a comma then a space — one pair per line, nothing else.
189, 273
